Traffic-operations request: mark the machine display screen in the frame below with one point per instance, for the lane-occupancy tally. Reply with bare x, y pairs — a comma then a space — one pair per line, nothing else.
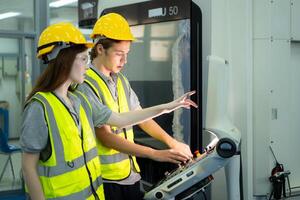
158, 69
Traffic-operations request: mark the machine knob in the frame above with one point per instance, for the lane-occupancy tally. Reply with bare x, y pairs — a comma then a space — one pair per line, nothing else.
159, 195
197, 154
226, 148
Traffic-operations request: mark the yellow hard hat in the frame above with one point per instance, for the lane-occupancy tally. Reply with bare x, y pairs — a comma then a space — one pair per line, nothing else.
63, 32
112, 26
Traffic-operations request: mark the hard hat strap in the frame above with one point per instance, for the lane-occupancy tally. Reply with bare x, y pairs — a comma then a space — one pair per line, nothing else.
48, 45
50, 56
96, 40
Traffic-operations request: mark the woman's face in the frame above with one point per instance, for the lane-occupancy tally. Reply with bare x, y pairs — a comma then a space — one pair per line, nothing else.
79, 67
115, 57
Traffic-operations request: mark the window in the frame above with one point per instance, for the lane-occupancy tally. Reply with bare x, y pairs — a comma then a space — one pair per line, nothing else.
66, 11
17, 15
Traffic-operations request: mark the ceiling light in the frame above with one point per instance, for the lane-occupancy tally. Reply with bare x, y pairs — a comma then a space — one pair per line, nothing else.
9, 14
61, 3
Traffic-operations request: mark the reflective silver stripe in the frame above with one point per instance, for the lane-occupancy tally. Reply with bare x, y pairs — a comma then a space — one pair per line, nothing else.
57, 143
126, 90
109, 159
83, 100
85, 104
84, 194
64, 167
124, 84
95, 84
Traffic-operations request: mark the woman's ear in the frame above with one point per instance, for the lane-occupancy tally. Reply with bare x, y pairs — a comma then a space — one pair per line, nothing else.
99, 49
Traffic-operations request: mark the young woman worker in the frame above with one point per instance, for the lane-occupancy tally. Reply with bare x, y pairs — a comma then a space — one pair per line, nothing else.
60, 159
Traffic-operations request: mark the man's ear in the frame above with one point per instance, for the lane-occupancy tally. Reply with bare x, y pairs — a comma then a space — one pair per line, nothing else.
100, 49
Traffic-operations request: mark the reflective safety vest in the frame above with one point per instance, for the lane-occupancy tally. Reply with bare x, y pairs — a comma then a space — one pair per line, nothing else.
73, 170
114, 164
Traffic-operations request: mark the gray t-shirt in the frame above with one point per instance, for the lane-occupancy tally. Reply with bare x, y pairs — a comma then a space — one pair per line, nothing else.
34, 129
133, 104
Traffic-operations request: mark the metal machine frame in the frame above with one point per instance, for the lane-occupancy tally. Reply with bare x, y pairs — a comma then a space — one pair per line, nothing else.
217, 154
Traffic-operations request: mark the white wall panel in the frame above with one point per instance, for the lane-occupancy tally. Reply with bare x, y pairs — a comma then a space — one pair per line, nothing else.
261, 18
280, 19
295, 19
261, 120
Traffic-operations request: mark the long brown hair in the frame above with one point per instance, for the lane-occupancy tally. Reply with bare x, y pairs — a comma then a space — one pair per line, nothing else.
57, 71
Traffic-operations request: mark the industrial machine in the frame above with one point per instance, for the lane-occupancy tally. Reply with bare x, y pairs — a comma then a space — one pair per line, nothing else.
222, 151
193, 176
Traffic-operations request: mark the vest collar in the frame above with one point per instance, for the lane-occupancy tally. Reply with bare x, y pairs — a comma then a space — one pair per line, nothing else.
105, 78
75, 101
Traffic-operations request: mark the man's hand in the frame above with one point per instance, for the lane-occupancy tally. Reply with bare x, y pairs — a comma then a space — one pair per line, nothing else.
181, 147
169, 155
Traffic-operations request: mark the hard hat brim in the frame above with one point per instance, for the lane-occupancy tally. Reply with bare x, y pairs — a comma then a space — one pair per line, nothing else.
45, 51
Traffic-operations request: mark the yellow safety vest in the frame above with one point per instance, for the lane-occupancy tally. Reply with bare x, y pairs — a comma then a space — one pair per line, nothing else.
73, 171
115, 165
